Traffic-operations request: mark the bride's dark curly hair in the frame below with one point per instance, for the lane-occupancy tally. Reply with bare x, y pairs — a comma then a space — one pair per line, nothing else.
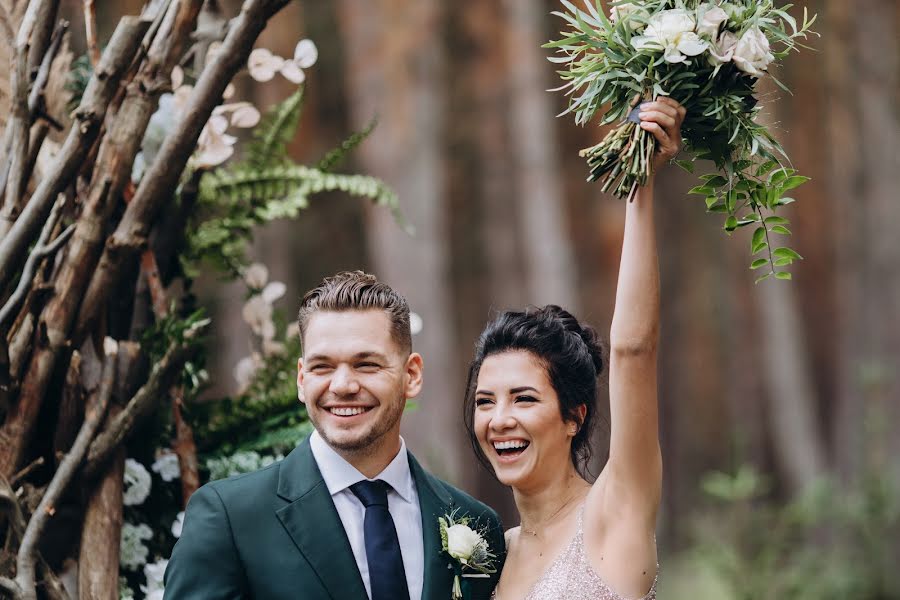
572, 354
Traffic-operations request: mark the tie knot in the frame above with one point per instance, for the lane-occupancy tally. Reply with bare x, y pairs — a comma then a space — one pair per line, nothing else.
371, 493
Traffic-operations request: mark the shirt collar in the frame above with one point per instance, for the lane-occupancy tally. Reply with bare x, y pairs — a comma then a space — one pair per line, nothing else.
340, 475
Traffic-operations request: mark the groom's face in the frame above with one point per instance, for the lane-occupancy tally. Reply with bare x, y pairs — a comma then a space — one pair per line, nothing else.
355, 379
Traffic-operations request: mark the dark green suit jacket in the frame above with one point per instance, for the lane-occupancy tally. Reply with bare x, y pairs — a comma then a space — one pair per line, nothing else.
275, 534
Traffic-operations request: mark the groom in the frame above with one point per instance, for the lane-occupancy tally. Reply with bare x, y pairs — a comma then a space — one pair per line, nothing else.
349, 514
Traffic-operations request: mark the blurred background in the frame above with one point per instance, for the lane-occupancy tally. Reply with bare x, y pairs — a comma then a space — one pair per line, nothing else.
779, 401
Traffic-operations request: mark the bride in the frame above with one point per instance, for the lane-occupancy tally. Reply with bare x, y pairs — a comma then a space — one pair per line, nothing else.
530, 406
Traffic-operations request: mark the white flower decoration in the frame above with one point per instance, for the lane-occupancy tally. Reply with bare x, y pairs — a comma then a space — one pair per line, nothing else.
245, 370
263, 65
624, 12
462, 542
671, 31
751, 54
273, 291
415, 323
214, 145
132, 551
178, 524
305, 56
256, 276
154, 572
167, 466
137, 483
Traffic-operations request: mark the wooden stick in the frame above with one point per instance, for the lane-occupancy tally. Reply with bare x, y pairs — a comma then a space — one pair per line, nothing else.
90, 32
96, 410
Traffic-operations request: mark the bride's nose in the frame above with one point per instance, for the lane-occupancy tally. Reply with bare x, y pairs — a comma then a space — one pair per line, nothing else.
502, 417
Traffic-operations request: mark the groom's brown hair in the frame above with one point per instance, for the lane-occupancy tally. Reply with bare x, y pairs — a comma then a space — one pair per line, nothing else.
356, 290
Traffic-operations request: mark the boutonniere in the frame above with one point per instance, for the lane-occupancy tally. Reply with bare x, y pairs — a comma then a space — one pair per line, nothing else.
468, 549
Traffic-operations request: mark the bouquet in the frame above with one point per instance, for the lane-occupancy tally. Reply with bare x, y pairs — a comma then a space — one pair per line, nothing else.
707, 55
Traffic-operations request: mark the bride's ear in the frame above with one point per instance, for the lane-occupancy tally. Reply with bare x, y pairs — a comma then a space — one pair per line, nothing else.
575, 426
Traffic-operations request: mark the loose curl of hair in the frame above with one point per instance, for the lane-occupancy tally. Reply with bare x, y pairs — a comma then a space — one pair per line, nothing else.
570, 352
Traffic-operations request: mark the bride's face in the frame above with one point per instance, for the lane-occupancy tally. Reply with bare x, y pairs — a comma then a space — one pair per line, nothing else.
518, 421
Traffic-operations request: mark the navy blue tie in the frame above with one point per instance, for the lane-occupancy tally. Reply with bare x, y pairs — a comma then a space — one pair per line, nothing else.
387, 577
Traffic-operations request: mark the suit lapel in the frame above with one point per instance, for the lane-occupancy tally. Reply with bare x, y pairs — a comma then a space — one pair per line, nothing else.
313, 523
434, 502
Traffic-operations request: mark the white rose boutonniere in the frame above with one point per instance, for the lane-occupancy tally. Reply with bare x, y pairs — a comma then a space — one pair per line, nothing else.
467, 548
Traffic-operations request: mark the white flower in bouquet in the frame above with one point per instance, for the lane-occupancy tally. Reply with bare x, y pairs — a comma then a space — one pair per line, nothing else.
711, 18
137, 483
462, 542
722, 50
132, 551
671, 31
625, 12
751, 54
167, 466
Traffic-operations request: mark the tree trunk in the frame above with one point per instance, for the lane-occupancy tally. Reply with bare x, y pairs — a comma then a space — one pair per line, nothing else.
396, 70
538, 187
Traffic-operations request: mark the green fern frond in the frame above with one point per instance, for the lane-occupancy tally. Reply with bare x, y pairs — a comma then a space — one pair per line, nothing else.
335, 156
276, 130
281, 191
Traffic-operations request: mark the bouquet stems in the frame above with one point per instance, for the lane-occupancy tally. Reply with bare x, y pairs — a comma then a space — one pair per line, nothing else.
623, 160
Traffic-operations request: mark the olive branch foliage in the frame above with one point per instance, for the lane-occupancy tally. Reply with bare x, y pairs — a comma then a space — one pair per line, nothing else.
604, 73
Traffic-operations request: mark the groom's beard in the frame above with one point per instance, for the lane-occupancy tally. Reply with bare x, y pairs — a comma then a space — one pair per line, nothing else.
364, 438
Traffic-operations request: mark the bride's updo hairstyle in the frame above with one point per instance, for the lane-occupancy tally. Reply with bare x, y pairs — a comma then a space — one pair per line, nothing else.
571, 353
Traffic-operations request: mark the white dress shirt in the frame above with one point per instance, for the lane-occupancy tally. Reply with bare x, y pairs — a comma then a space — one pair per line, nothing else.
403, 504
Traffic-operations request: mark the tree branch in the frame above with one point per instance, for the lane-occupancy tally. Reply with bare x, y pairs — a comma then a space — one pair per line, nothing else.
88, 118
34, 98
90, 31
162, 178
144, 401
41, 249
25, 563
20, 120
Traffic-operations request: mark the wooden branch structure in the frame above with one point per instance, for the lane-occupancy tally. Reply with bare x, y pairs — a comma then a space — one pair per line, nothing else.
64, 249
141, 404
130, 236
25, 563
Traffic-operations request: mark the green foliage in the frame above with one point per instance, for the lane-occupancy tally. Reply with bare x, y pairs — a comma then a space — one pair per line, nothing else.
174, 329
604, 72
266, 186
79, 76
267, 417
828, 544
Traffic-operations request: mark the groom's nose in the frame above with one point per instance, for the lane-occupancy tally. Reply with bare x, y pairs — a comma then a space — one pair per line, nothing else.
343, 382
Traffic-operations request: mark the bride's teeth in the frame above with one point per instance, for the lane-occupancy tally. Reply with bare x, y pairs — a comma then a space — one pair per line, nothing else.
347, 412
510, 444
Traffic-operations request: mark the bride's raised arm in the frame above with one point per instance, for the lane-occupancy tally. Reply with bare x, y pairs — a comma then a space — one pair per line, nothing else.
632, 479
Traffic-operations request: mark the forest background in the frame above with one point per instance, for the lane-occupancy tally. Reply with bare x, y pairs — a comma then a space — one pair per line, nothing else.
779, 401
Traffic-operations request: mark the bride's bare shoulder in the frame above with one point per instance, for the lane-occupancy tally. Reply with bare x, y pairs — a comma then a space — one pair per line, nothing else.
511, 534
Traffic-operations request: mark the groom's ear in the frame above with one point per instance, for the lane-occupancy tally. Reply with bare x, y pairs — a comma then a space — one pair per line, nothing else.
300, 396
414, 373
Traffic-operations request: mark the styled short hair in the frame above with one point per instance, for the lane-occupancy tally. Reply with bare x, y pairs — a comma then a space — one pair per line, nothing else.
356, 290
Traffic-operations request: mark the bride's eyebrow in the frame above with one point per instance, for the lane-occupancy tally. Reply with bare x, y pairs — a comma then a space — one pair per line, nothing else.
484, 392
524, 388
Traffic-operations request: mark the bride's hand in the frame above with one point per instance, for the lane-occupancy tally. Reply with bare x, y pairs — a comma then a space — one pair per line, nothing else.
663, 118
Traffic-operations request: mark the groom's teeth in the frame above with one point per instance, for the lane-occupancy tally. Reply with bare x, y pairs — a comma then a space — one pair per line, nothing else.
347, 412
510, 444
